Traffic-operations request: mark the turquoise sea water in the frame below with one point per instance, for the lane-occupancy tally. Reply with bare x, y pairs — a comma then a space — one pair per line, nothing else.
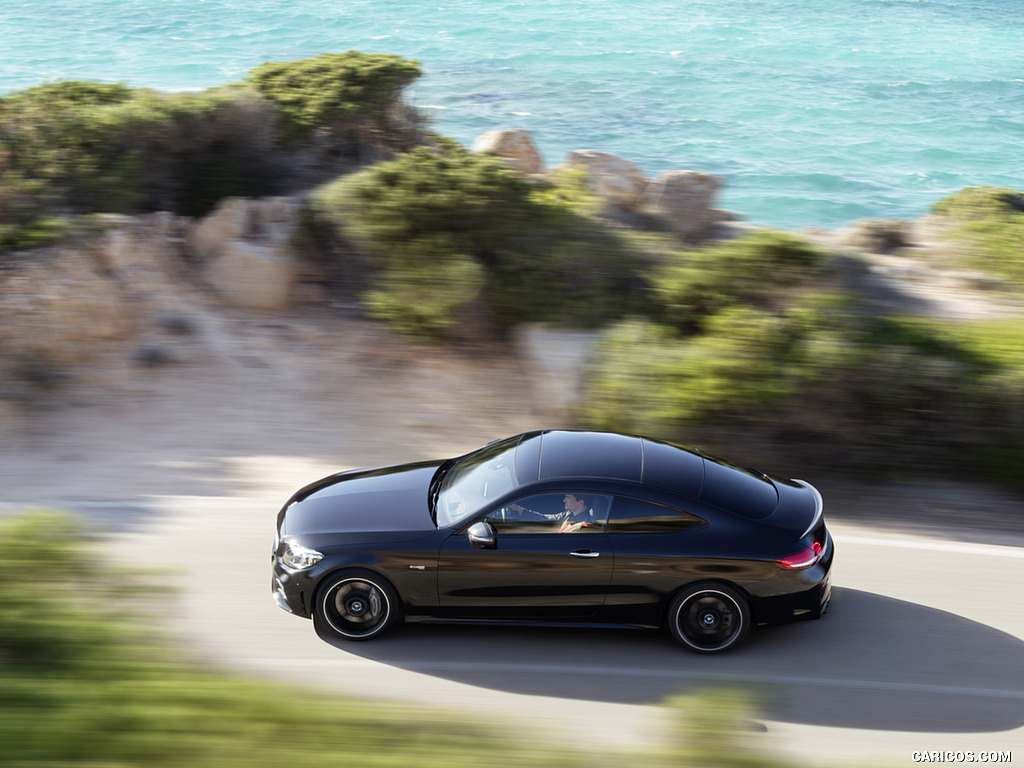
816, 112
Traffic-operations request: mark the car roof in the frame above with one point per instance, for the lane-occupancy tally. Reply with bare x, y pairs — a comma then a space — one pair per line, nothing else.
554, 455
565, 454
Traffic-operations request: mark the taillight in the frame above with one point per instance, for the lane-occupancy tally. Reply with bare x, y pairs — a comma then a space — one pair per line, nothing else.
804, 559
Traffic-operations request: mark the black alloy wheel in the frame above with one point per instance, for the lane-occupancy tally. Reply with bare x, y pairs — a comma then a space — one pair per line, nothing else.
356, 606
709, 618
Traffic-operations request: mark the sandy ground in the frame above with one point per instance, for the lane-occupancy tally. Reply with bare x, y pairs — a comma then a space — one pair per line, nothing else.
248, 403
256, 402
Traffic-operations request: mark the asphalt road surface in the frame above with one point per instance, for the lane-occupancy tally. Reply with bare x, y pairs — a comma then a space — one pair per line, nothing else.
922, 649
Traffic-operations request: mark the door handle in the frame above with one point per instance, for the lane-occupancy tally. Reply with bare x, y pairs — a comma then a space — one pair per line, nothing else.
584, 553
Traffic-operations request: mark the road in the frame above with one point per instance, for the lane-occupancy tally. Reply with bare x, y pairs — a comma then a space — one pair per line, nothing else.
923, 647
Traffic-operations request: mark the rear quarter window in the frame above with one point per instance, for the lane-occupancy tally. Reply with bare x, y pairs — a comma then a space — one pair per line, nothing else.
638, 516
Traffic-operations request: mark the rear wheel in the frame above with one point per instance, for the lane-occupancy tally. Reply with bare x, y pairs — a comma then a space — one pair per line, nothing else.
356, 606
709, 618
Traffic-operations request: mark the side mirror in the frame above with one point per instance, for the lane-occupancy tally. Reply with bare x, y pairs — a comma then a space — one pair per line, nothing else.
482, 536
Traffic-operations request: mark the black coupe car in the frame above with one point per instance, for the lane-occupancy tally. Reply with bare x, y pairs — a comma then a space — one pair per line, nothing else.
553, 527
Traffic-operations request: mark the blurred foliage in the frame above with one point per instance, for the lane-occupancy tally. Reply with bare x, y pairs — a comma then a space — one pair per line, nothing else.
748, 338
74, 147
333, 86
461, 240
80, 685
756, 269
989, 227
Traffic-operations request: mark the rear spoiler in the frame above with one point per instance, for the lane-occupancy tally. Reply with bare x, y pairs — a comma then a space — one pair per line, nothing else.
819, 506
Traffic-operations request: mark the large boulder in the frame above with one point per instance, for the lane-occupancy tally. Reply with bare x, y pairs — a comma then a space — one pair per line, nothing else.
516, 147
56, 308
230, 221
682, 201
252, 275
617, 181
245, 246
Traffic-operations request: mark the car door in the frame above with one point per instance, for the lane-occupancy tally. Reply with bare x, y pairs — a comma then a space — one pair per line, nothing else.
539, 567
656, 549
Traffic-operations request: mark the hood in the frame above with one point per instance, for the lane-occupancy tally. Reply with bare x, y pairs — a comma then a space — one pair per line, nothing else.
388, 499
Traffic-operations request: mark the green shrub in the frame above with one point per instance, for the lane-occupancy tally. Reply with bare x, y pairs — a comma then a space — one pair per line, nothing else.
745, 363
755, 269
333, 86
78, 147
989, 229
904, 392
50, 591
455, 234
85, 147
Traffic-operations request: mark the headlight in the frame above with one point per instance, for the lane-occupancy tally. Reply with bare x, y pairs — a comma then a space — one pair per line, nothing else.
298, 557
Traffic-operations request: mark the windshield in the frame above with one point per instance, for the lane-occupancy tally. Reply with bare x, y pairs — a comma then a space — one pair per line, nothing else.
475, 480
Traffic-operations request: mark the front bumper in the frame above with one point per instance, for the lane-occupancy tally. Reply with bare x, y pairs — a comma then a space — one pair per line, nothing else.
279, 598
292, 590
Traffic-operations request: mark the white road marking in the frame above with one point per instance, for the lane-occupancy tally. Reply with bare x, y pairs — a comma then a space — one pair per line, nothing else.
956, 547
552, 669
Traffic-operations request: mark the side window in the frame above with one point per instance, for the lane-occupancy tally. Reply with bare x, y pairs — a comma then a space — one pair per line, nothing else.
638, 516
561, 512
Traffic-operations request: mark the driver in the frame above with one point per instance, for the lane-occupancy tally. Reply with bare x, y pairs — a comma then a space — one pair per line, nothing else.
576, 516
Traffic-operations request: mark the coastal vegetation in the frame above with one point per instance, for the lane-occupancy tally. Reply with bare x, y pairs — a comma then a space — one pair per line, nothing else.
334, 87
703, 342
988, 229
70, 148
84, 683
754, 341
462, 245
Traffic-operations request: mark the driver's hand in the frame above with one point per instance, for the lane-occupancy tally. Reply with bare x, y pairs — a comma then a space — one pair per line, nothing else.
516, 508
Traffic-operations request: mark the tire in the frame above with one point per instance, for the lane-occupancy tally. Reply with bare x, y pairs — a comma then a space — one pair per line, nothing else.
709, 617
355, 605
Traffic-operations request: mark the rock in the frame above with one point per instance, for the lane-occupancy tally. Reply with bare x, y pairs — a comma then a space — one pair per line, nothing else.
246, 245
682, 200
516, 147
140, 242
617, 181
152, 356
58, 306
877, 235
252, 275
558, 360
232, 220
178, 325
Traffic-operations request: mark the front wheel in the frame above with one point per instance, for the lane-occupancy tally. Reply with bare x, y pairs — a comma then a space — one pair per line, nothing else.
709, 618
356, 606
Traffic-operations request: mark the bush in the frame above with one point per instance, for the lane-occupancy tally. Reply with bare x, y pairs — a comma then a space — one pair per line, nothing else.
754, 269
456, 235
77, 147
91, 148
887, 392
988, 225
334, 86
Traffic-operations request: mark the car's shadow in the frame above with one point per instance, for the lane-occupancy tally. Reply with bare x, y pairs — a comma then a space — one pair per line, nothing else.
873, 662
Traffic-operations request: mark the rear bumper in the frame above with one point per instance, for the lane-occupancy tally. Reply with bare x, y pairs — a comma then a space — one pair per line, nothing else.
810, 604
